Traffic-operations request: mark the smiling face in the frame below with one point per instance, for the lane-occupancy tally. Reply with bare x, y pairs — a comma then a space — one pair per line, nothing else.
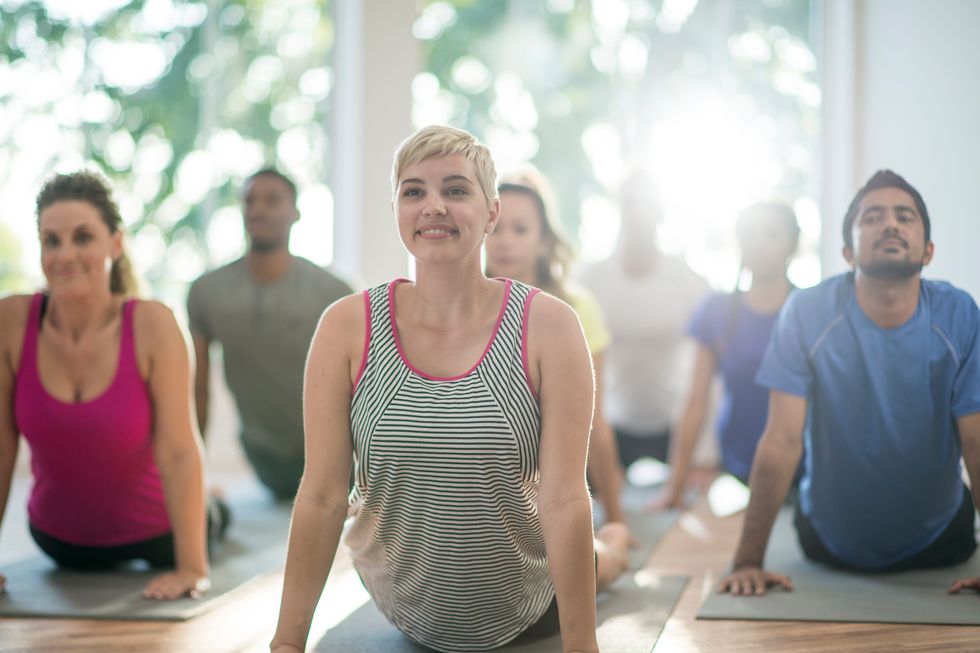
889, 236
443, 215
77, 248
517, 243
269, 211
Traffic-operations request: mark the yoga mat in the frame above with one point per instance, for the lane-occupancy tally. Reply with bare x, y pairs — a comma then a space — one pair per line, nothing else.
647, 526
826, 594
630, 616
254, 545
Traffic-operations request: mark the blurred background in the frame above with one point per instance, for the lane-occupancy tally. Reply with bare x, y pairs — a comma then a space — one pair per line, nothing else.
727, 101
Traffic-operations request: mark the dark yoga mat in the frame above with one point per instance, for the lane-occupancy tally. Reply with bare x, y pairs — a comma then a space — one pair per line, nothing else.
255, 545
630, 619
826, 594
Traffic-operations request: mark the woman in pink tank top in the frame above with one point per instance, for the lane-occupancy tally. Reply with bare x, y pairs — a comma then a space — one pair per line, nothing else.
98, 384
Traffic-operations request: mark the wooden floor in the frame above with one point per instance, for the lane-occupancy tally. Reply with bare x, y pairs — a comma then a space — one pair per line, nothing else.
699, 546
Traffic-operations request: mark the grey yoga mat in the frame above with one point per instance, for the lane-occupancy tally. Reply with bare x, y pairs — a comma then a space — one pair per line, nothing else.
823, 593
255, 545
647, 526
630, 617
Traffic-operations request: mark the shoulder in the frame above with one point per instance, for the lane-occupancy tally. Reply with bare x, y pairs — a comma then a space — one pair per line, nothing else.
548, 314
215, 278
14, 310
325, 277
153, 318
950, 306
826, 300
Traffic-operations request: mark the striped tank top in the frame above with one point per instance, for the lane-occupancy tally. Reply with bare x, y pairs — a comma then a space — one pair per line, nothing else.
446, 536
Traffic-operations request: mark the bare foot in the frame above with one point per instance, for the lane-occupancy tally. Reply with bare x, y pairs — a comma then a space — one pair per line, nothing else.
612, 544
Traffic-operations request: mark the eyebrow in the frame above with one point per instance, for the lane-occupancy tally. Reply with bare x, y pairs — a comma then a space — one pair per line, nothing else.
897, 207
416, 180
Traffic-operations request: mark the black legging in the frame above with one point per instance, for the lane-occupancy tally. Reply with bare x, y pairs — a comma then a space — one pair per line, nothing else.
954, 545
157, 551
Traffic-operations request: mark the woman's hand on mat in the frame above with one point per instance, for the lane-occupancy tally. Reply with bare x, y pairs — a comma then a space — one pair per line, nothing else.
670, 499
961, 584
750, 581
176, 584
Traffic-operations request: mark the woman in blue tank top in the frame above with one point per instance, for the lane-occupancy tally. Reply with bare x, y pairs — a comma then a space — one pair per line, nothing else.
731, 331
464, 405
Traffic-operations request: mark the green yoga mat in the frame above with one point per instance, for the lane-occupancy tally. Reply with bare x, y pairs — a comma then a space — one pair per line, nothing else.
823, 593
630, 617
255, 545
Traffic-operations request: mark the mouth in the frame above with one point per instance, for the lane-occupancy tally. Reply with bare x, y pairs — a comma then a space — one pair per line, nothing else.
891, 242
435, 233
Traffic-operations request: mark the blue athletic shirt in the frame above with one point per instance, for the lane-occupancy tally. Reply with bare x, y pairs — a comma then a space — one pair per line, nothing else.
881, 443
737, 336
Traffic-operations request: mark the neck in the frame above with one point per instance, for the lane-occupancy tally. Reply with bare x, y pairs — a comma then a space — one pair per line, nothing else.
767, 294
888, 303
444, 297
268, 266
639, 257
76, 316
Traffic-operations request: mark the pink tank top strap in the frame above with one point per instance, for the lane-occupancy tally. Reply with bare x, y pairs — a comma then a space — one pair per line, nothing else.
127, 341
28, 352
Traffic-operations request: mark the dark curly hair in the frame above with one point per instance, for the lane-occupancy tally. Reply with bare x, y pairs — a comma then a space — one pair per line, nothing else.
93, 188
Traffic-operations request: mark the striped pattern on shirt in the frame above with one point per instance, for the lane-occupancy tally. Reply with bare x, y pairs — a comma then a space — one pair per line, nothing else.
446, 535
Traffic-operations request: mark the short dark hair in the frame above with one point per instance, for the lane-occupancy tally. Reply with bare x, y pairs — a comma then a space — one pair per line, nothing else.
272, 172
884, 179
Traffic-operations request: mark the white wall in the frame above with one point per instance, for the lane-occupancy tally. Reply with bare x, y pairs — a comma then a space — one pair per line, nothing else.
376, 57
915, 85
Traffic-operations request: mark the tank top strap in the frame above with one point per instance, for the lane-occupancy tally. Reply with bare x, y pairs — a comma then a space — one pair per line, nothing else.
28, 352
127, 341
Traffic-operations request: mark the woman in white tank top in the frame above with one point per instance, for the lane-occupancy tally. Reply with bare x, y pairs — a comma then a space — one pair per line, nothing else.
464, 405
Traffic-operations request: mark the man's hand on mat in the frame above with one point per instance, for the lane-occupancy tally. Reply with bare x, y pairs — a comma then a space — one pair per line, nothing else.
962, 584
176, 584
750, 581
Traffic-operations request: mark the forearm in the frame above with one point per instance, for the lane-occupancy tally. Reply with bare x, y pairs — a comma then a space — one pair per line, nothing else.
772, 473
604, 470
183, 487
7, 460
201, 398
313, 541
684, 440
567, 526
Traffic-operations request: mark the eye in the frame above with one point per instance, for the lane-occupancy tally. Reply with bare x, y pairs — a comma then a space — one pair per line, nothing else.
412, 192
50, 241
82, 237
457, 191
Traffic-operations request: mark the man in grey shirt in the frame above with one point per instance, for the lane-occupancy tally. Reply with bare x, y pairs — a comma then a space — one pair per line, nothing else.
263, 309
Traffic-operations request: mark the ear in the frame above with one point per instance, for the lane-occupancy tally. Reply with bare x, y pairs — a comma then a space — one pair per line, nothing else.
930, 251
116, 248
296, 215
494, 216
848, 253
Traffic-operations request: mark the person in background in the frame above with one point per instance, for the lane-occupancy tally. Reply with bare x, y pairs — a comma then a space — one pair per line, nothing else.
874, 377
263, 309
527, 245
731, 331
647, 298
98, 382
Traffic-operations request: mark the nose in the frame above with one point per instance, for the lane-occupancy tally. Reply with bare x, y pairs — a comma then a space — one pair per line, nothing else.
434, 205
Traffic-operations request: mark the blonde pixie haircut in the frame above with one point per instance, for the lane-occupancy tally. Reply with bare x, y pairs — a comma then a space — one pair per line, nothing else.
439, 140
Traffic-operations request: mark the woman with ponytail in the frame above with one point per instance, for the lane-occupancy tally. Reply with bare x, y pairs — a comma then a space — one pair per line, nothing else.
732, 331
97, 382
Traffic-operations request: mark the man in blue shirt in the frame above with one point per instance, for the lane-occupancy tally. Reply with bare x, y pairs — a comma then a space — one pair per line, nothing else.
874, 375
